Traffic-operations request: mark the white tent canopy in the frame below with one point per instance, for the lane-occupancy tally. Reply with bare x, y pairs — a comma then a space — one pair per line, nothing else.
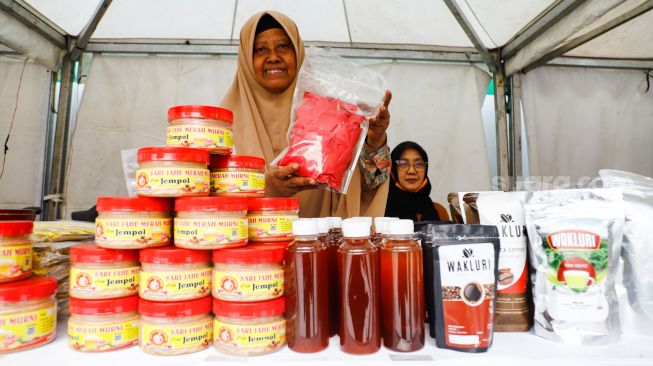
510, 37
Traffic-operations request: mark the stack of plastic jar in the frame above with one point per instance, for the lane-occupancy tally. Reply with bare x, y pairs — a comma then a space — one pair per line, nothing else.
270, 219
132, 222
237, 176
28, 313
200, 126
15, 250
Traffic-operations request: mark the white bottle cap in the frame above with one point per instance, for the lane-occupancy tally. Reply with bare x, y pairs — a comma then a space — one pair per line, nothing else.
400, 227
304, 227
363, 218
322, 225
335, 222
355, 228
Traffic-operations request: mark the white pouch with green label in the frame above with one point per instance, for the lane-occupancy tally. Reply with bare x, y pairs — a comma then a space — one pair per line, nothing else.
575, 239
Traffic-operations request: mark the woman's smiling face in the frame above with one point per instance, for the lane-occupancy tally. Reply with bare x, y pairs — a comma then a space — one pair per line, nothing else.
411, 170
275, 60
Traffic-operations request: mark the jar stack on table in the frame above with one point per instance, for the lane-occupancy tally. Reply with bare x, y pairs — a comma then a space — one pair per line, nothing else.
28, 308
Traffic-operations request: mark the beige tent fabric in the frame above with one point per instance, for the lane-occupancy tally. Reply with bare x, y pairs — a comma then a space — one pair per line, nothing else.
581, 120
21, 183
261, 120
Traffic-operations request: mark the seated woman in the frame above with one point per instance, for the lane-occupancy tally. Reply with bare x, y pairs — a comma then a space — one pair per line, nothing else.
410, 188
269, 58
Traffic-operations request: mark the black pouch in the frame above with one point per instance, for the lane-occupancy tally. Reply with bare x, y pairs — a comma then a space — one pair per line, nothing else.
464, 279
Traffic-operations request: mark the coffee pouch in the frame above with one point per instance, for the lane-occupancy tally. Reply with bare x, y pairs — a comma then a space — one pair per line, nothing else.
637, 250
575, 237
464, 279
505, 210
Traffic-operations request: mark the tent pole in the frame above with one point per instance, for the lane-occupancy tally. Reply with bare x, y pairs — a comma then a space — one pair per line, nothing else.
514, 126
52, 202
503, 179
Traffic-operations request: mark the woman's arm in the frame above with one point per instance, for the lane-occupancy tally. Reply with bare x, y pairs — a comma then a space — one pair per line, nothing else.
374, 161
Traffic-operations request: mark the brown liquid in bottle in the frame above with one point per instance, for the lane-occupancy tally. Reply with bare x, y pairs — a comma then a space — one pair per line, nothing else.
402, 295
332, 265
306, 289
360, 318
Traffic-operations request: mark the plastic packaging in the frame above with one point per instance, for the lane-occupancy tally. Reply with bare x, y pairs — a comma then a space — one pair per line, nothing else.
98, 273
15, 250
103, 325
172, 172
58, 231
200, 126
307, 289
360, 302
249, 329
464, 280
637, 250
237, 176
28, 313
402, 293
250, 273
174, 274
575, 238
270, 219
333, 99
132, 222
211, 222
175, 328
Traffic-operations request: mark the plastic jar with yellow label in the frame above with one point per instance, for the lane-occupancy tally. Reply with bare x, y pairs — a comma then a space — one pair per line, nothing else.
103, 325
174, 274
200, 126
172, 172
249, 328
98, 273
175, 328
15, 250
237, 176
251, 273
132, 222
270, 219
211, 222
28, 313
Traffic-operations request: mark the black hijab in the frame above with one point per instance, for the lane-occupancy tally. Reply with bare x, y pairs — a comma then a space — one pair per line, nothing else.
409, 205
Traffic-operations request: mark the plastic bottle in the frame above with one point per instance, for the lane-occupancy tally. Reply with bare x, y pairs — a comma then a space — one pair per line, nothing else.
307, 307
402, 294
360, 303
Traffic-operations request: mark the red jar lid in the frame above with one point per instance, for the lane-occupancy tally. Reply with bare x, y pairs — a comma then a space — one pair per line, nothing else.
176, 309
103, 307
210, 204
167, 153
249, 309
34, 288
273, 204
200, 112
15, 228
133, 204
237, 161
174, 255
250, 254
92, 253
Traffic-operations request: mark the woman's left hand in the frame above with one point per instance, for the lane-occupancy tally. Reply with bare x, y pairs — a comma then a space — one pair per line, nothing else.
378, 124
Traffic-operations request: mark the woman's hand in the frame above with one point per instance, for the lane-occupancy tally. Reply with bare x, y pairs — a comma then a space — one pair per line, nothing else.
281, 182
378, 124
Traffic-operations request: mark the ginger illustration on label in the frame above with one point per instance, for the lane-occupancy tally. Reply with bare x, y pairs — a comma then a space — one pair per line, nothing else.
15, 261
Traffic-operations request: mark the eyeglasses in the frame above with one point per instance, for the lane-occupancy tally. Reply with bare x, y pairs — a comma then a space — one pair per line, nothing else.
419, 165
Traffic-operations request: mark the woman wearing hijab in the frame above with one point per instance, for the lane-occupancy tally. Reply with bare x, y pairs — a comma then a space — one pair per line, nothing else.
270, 55
410, 187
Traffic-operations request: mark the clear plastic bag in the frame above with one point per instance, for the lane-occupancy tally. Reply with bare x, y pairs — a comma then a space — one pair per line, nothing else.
333, 100
637, 249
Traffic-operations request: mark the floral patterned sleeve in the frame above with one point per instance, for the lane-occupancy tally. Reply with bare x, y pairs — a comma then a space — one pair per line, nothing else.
374, 165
